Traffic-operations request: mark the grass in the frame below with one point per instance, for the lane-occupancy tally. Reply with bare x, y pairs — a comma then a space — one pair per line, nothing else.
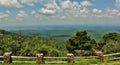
110, 63
81, 62
92, 61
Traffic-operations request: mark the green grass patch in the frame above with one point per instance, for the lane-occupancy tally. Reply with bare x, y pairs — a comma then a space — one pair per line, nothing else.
81, 63
92, 61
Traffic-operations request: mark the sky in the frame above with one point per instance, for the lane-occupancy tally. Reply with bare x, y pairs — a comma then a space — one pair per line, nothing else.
59, 12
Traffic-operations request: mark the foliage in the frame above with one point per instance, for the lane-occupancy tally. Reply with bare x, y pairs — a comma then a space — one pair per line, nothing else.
81, 44
25, 45
110, 43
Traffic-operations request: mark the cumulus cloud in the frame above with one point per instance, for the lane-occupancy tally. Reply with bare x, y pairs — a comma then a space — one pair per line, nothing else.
28, 2
66, 4
65, 10
10, 3
43, 2
47, 11
86, 3
118, 4
112, 11
50, 8
33, 12
38, 0
8, 12
118, 14
2, 15
97, 11
84, 11
76, 4
22, 13
109, 13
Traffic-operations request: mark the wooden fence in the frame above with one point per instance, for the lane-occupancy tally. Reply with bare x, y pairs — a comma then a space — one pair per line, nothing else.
39, 59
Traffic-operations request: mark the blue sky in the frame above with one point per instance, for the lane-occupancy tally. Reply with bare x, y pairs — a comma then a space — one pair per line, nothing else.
59, 12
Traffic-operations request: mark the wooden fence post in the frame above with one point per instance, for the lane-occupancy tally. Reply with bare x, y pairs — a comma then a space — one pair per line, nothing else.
100, 56
70, 58
7, 57
39, 58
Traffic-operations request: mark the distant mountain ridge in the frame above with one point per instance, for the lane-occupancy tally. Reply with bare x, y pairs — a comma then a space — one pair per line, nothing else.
62, 31
60, 27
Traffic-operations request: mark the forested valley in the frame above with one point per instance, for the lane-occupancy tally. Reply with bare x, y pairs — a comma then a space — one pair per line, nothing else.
81, 44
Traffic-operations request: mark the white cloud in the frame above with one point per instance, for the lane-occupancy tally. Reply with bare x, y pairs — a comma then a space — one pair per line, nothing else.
43, 2
2, 15
47, 11
52, 6
66, 4
112, 11
33, 12
118, 14
28, 2
96, 11
84, 11
57, 10
108, 13
86, 3
76, 4
38, 0
118, 4
8, 12
22, 13
10, 3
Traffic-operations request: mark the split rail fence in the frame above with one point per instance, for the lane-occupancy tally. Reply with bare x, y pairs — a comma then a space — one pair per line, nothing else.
39, 59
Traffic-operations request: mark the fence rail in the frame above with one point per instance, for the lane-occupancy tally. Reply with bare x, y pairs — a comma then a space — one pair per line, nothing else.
68, 58
51, 57
112, 54
23, 57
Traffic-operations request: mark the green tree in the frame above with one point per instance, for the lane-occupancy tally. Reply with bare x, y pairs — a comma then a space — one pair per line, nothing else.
110, 43
25, 45
81, 44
